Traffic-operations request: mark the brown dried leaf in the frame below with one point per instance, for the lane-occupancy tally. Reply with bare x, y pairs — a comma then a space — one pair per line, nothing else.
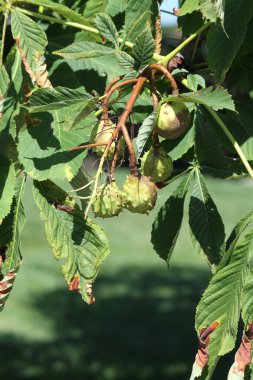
40, 74
242, 356
5, 287
201, 359
158, 35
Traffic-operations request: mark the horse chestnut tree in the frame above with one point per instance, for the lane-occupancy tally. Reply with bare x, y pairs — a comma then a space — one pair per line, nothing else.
169, 111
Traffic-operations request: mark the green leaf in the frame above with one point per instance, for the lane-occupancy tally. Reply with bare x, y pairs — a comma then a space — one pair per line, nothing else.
205, 223
43, 147
143, 49
238, 230
10, 254
240, 125
208, 145
125, 60
178, 147
7, 186
92, 56
189, 6
107, 28
79, 184
223, 46
212, 9
137, 16
144, 132
92, 7
167, 224
51, 99
195, 80
216, 98
81, 243
84, 50
30, 38
221, 301
61, 9
11, 229
4, 82
246, 302
84, 110
115, 7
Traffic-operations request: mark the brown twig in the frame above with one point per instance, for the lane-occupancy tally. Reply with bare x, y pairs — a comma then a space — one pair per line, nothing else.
114, 160
109, 86
173, 83
86, 146
109, 94
155, 138
122, 124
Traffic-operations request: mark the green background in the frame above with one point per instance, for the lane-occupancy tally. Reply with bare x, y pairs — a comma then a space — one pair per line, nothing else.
142, 324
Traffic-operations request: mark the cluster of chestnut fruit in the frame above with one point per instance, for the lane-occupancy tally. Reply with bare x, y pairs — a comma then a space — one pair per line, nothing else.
139, 191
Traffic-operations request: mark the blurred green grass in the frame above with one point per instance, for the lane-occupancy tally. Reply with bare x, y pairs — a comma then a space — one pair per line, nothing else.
142, 324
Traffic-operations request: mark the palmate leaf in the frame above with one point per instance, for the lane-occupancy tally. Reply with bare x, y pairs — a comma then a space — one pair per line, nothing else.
223, 45
107, 28
30, 37
51, 99
60, 9
220, 303
81, 243
167, 224
10, 254
7, 186
216, 98
143, 49
44, 143
207, 229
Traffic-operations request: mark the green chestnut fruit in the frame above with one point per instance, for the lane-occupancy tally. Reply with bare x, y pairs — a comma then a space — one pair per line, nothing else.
108, 201
139, 194
157, 164
101, 134
173, 120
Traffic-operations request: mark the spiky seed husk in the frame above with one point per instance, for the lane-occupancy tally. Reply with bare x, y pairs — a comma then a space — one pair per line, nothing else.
157, 164
139, 194
174, 118
108, 201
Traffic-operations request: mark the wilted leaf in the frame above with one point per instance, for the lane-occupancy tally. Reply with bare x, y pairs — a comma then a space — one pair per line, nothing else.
81, 243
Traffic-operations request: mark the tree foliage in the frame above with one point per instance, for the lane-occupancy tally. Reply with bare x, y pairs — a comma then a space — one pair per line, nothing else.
91, 77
